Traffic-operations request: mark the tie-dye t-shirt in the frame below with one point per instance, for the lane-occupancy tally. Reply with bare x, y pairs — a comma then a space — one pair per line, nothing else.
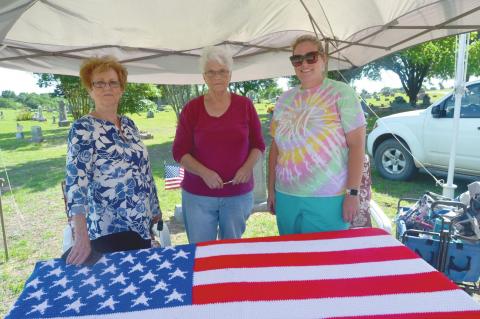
309, 127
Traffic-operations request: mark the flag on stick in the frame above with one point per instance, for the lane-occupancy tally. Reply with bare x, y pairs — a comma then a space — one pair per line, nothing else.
173, 176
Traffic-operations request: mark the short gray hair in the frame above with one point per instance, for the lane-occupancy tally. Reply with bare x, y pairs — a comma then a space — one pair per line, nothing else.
218, 54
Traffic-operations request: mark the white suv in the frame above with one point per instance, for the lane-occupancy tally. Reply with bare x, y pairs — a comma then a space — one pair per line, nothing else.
428, 136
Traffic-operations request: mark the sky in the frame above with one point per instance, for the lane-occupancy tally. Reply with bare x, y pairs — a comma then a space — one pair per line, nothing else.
21, 81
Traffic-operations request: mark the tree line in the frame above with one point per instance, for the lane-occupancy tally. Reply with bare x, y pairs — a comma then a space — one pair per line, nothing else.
434, 59
139, 97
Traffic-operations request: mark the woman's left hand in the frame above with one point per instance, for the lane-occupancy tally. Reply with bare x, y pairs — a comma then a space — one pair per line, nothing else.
351, 204
243, 175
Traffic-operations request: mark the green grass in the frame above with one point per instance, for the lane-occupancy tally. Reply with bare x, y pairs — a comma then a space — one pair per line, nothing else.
34, 211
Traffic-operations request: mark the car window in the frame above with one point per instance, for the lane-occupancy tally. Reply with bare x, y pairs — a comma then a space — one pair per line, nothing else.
470, 103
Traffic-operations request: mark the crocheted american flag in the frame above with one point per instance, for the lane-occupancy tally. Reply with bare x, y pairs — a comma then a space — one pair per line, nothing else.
359, 273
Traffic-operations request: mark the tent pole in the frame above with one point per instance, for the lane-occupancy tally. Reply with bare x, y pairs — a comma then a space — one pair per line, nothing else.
327, 47
3, 224
460, 71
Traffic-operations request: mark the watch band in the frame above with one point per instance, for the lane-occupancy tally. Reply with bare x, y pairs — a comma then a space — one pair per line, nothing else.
351, 191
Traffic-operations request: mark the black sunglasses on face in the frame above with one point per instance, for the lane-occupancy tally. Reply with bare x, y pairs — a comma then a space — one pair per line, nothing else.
310, 57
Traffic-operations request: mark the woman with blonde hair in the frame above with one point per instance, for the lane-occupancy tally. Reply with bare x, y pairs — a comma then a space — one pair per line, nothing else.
316, 156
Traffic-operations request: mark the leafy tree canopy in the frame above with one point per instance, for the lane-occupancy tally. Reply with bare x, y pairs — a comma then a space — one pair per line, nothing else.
136, 98
8, 94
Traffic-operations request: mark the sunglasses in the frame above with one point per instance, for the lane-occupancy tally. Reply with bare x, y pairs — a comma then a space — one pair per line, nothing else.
310, 57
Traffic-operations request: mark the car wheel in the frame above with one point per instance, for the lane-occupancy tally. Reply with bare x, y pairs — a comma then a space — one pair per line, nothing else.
393, 161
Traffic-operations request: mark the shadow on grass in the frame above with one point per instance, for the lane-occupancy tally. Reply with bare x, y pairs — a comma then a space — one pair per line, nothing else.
158, 153
413, 188
52, 138
39, 175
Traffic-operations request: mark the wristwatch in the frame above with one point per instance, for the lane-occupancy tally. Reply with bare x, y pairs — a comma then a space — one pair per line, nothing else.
351, 191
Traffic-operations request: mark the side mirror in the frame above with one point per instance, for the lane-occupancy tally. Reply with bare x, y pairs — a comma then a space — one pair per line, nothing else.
438, 112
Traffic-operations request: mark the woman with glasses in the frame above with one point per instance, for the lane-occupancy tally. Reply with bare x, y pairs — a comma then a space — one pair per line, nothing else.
111, 194
218, 141
317, 151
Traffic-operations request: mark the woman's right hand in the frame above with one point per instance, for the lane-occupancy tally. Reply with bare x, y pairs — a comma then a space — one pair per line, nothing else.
80, 251
212, 179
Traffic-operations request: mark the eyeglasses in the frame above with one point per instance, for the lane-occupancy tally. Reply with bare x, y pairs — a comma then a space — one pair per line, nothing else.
310, 57
102, 84
212, 74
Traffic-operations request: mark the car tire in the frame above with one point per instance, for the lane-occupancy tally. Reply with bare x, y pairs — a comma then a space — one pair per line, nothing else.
393, 161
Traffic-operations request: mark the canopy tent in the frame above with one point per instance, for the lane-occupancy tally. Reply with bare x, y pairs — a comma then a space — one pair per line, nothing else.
159, 41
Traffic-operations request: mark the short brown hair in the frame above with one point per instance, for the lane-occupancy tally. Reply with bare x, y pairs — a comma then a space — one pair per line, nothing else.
308, 38
102, 64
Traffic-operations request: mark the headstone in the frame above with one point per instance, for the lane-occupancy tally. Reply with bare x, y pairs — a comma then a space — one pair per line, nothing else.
150, 114
61, 112
260, 188
37, 136
178, 214
19, 134
40, 116
146, 135
62, 115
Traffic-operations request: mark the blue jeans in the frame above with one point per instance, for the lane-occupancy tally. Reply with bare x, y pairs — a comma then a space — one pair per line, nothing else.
206, 216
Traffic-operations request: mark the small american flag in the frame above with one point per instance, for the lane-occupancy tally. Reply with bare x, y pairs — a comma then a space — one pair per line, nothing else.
173, 176
352, 274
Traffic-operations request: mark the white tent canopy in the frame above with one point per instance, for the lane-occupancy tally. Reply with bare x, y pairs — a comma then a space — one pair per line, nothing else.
159, 40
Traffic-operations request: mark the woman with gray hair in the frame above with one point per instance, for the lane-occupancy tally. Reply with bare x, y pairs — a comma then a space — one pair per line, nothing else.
218, 141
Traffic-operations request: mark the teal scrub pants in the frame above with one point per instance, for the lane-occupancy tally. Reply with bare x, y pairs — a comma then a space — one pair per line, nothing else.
298, 215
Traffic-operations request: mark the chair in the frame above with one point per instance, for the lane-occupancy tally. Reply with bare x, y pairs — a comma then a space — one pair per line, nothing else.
68, 231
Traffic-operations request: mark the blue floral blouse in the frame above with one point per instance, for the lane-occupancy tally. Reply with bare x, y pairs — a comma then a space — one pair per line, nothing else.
109, 178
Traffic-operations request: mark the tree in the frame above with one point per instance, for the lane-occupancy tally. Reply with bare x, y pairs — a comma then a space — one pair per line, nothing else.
263, 88
178, 95
135, 98
414, 65
71, 89
8, 94
138, 97
9, 103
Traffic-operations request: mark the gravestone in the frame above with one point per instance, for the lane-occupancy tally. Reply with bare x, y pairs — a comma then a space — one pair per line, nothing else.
40, 116
62, 115
150, 114
37, 136
260, 186
19, 135
145, 135
178, 214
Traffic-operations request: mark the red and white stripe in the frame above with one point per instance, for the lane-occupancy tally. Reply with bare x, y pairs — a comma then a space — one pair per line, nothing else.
175, 182
356, 273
